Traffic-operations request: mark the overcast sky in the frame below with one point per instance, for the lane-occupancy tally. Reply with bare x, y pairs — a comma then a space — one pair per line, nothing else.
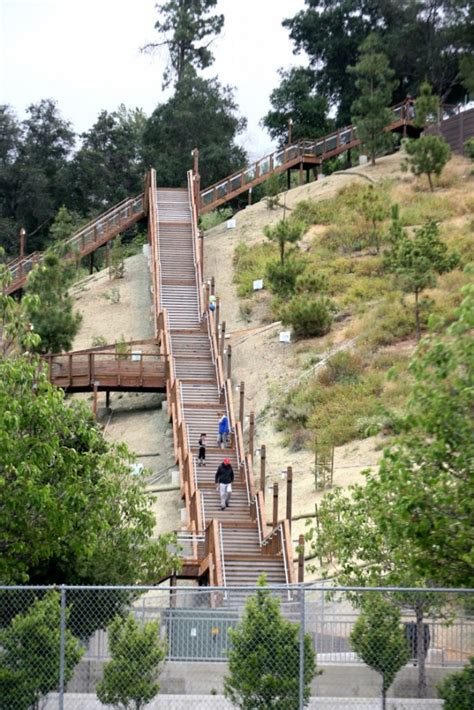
85, 55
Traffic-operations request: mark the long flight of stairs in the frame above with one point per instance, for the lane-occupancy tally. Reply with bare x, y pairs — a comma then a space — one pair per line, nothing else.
195, 370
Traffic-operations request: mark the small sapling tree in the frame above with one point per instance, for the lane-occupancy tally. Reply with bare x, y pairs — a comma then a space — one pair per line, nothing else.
426, 107
417, 260
427, 156
378, 638
117, 260
264, 661
30, 654
272, 191
286, 231
131, 678
375, 208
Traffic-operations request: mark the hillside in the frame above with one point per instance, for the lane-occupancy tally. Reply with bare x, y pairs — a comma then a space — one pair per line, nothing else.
374, 326
282, 380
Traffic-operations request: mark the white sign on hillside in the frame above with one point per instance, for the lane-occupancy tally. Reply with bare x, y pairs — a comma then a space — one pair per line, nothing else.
258, 285
231, 224
285, 336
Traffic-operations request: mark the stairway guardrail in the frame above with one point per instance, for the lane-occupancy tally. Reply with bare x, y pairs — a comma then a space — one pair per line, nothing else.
198, 265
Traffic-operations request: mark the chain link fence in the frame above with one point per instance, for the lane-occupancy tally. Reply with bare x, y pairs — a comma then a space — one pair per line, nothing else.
180, 647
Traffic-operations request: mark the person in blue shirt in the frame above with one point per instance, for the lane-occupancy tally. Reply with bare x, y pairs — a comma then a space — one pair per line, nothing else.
224, 431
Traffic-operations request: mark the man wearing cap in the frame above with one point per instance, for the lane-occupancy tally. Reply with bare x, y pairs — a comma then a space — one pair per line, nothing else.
224, 478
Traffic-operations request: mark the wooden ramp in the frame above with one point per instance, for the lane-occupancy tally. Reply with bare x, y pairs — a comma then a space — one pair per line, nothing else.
236, 548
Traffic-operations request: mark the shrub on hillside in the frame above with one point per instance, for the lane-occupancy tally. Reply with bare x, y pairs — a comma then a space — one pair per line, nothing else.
389, 322
308, 316
212, 219
342, 367
282, 277
311, 282
469, 148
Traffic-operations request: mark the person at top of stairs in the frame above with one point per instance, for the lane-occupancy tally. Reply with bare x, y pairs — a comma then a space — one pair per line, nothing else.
202, 450
224, 478
224, 431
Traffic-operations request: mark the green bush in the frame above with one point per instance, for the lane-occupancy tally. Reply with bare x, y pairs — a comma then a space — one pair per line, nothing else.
388, 322
469, 148
250, 263
342, 367
311, 282
308, 316
457, 690
282, 278
214, 218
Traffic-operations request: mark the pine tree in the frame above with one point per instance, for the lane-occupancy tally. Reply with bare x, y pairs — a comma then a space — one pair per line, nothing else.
427, 156
374, 82
53, 317
426, 106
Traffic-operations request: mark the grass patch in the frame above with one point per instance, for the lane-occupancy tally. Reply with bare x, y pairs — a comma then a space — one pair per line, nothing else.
214, 218
417, 207
250, 263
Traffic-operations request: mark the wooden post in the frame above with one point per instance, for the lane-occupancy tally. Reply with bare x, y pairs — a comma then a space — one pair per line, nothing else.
91, 262
107, 254
213, 286
301, 559
208, 293
201, 250
289, 494
250, 196
251, 433
222, 339
94, 401
172, 591
241, 404
288, 179
263, 461
217, 314
107, 399
275, 504
301, 173
229, 361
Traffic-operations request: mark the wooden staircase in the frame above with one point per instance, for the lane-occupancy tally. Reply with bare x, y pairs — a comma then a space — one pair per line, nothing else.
237, 548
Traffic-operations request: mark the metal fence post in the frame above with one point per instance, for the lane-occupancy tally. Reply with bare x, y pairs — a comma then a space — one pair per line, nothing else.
302, 633
62, 647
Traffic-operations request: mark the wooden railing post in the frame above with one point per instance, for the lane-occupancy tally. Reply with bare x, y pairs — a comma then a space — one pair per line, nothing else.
222, 340
213, 286
251, 433
275, 505
289, 494
301, 559
241, 404
263, 461
94, 401
229, 361
208, 293
217, 313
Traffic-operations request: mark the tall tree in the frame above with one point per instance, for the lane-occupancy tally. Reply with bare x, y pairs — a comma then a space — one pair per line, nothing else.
427, 156
188, 30
424, 40
202, 114
296, 99
426, 106
10, 140
374, 82
109, 166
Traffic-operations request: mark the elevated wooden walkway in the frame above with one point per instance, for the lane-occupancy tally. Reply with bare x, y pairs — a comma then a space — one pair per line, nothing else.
141, 369
231, 546
302, 155
89, 238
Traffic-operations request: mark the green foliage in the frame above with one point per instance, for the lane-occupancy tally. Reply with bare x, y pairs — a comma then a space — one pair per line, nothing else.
284, 232
308, 316
30, 653
457, 690
52, 315
71, 512
417, 260
426, 107
117, 260
378, 638
330, 34
374, 82
265, 657
64, 225
296, 99
250, 263
201, 113
273, 187
390, 321
469, 148
282, 277
130, 678
187, 31
466, 66
427, 156
214, 218
342, 367
311, 282
375, 208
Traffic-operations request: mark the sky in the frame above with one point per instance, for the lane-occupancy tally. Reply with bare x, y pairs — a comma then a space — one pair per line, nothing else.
85, 55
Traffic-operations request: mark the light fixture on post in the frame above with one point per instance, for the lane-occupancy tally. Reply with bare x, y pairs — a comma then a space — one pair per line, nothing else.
290, 130
22, 242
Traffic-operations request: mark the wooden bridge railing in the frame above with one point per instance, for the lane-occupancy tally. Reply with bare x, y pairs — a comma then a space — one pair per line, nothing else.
90, 237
